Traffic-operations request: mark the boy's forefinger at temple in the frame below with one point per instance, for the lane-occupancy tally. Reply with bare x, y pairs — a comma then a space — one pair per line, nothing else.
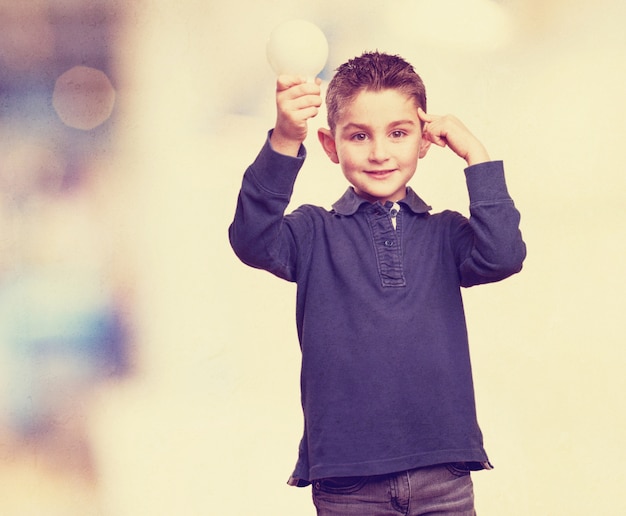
423, 116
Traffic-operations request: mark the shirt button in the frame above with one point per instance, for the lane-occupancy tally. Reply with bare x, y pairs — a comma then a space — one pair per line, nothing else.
393, 212
388, 243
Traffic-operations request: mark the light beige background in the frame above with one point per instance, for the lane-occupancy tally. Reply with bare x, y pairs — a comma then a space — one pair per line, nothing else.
211, 423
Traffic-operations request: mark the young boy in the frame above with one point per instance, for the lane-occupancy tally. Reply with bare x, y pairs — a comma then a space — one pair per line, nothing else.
387, 392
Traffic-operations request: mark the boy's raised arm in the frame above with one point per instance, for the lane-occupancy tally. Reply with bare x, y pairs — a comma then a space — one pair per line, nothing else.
257, 234
489, 244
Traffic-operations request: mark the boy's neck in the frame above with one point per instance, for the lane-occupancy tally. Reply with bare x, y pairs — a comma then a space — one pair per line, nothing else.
380, 201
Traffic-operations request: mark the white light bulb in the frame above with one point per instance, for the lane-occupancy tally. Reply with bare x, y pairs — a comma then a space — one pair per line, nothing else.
297, 47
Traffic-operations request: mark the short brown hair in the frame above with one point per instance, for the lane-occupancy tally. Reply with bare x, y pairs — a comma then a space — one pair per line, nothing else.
372, 71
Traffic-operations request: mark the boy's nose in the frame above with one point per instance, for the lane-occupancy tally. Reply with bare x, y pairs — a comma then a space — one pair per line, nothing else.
378, 151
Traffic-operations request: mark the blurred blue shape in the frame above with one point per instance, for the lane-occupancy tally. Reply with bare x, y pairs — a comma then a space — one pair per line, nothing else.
59, 334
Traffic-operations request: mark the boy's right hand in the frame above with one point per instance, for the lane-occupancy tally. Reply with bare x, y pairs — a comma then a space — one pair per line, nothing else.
296, 102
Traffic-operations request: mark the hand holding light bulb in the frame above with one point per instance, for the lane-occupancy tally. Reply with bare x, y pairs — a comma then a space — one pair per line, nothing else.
297, 50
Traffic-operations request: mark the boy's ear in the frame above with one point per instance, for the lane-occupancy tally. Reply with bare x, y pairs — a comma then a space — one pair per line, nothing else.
328, 143
424, 146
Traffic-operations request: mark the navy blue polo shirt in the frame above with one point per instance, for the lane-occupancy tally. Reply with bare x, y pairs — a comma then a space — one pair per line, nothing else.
386, 380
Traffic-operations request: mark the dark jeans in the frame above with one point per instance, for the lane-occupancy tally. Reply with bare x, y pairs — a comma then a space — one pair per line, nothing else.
438, 490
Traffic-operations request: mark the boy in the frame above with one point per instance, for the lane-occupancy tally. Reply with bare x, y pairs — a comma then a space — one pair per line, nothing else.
387, 392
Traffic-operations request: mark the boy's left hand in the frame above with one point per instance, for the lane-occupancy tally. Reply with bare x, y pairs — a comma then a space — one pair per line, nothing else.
449, 131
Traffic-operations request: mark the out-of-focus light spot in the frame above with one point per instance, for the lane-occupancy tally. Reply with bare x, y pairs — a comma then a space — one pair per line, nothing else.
474, 25
83, 97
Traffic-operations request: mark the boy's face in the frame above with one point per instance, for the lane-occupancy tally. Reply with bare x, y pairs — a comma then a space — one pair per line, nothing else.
377, 142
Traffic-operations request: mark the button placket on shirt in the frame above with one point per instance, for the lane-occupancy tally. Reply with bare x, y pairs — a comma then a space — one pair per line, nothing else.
387, 247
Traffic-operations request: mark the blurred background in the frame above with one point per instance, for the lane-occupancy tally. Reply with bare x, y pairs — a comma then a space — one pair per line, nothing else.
144, 370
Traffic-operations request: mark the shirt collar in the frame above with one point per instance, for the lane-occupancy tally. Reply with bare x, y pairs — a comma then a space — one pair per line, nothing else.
350, 202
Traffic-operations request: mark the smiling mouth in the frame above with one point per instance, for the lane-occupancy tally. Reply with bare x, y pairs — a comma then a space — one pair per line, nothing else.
379, 173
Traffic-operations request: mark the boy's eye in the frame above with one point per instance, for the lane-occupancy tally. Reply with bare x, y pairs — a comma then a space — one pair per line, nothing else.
397, 134
359, 137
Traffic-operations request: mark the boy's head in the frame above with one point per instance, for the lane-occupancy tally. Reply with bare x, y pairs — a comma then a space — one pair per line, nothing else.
372, 71
375, 130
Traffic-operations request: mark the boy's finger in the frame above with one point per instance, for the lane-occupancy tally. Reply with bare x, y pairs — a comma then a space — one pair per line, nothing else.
436, 138
284, 82
299, 90
425, 117
310, 112
307, 100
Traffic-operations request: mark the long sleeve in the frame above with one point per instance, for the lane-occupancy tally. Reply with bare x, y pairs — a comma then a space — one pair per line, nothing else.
489, 245
258, 234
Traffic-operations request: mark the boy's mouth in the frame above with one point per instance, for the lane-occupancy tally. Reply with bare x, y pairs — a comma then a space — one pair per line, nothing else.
380, 174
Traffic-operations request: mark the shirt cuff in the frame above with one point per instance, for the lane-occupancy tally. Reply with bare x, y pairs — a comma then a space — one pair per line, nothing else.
486, 182
276, 172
